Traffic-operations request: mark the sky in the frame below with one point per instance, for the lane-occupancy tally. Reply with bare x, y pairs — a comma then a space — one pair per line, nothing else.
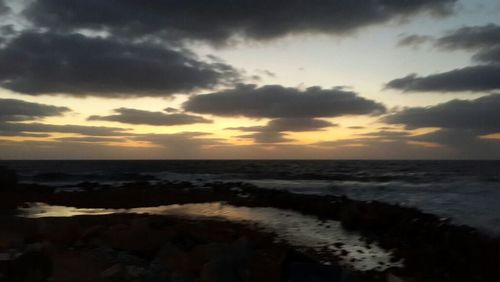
225, 79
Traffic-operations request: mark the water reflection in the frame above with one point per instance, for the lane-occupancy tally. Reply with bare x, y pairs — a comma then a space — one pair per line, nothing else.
296, 229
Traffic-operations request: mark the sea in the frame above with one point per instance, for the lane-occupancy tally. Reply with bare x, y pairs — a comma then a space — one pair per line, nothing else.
467, 192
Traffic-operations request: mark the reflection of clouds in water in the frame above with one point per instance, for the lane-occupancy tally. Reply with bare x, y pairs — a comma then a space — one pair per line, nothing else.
296, 229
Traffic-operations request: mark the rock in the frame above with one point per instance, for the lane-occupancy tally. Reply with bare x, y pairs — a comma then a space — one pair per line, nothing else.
201, 254
182, 277
33, 266
173, 259
394, 278
313, 272
58, 232
241, 248
338, 244
351, 216
113, 273
135, 271
128, 259
220, 270
91, 232
156, 273
138, 237
266, 264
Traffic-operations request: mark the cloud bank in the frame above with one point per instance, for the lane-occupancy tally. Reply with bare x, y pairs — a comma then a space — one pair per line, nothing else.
274, 131
219, 21
275, 101
484, 41
19, 110
73, 64
134, 116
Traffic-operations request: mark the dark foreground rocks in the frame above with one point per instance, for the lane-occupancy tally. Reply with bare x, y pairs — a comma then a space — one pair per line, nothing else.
432, 248
148, 249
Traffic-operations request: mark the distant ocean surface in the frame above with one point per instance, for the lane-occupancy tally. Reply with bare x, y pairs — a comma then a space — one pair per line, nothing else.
466, 191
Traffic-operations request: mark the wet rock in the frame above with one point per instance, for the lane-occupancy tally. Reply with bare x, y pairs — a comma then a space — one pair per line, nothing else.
394, 278
351, 216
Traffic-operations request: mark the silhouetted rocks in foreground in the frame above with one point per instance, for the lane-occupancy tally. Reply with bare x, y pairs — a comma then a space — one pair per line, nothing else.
152, 248
433, 249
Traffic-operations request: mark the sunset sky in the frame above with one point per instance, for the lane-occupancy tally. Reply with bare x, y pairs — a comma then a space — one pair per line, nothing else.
229, 79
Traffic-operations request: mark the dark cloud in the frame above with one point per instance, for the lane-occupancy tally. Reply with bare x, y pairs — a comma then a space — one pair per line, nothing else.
455, 137
267, 137
273, 132
413, 40
18, 110
171, 110
48, 63
372, 140
182, 144
275, 101
4, 9
471, 37
23, 134
483, 40
133, 116
461, 126
218, 21
186, 138
66, 150
480, 115
383, 144
22, 128
7, 30
375, 148
298, 124
288, 124
473, 78
89, 139
386, 134
489, 55
465, 143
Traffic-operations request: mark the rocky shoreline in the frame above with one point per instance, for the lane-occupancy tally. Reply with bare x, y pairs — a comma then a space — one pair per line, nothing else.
432, 248
130, 247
